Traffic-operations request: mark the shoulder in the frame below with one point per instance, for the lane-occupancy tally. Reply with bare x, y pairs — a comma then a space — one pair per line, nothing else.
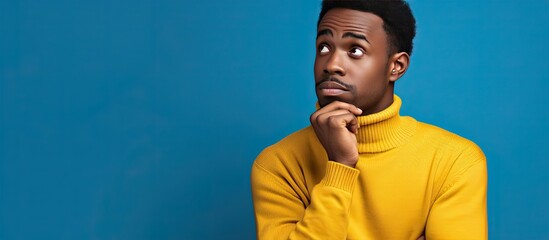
453, 155
291, 148
295, 141
296, 154
444, 140
457, 161
291, 161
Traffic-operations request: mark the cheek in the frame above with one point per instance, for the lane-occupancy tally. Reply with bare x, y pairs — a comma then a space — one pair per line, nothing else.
369, 77
367, 72
317, 68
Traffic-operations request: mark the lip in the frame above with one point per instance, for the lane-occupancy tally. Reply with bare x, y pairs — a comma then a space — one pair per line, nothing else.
331, 88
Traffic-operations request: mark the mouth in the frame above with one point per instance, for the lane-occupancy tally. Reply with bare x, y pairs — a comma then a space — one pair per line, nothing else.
331, 88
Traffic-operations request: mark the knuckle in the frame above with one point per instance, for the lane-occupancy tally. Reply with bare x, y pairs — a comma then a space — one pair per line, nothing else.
315, 117
333, 121
321, 120
312, 118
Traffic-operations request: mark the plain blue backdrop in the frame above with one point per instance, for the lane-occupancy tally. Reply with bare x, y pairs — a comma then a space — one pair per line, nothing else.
141, 119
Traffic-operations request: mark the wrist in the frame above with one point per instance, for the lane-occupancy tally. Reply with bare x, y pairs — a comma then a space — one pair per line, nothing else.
348, 163
340, 176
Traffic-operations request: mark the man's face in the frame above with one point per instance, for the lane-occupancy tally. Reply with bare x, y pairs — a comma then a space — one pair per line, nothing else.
352, 59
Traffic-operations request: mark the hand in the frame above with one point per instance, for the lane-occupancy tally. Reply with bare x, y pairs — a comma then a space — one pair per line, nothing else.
335, 126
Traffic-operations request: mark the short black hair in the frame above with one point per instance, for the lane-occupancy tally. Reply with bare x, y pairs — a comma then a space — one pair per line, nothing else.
398, 21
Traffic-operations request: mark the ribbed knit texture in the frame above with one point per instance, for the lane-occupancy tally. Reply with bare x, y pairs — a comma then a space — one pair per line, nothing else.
340, 176
411, 179
384, 130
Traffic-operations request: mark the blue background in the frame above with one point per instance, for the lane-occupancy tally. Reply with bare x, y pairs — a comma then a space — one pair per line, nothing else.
141, 119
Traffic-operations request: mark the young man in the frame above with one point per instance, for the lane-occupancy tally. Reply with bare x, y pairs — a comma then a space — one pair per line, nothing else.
362, 171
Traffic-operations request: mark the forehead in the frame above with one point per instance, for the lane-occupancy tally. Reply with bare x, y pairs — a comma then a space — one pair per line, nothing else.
348, 20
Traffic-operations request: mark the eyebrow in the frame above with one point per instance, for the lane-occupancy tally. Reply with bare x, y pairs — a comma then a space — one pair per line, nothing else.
355, 35
345, 35
324, 32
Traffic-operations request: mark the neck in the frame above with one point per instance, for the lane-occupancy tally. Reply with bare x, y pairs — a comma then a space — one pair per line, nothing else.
384, 130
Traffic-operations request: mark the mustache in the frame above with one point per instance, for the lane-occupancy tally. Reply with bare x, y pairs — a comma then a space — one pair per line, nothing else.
334, 79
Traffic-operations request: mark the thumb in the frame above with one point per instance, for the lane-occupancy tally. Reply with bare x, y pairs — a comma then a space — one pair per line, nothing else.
352, 125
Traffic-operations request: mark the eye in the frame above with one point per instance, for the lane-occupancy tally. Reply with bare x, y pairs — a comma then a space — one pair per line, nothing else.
356, 52
323, 49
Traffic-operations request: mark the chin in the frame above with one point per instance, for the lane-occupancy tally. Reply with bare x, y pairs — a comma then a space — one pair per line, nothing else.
323, 101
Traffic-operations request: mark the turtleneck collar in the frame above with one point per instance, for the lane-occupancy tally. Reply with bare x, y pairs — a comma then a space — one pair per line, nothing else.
384, 130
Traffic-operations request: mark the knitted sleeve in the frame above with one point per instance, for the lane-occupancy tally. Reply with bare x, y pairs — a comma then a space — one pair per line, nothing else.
281, 214
459, 212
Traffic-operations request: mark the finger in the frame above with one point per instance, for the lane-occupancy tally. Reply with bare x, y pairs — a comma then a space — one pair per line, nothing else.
319, 118
340, 105
353, 125
346, 120
322, 119
337, 105
343, 105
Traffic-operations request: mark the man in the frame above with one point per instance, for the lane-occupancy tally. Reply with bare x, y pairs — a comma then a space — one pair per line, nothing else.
362, 171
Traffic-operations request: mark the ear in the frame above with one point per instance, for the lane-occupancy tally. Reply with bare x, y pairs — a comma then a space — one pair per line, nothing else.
398, 64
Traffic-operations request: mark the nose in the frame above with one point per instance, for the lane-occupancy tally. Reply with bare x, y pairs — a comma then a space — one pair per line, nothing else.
334, 65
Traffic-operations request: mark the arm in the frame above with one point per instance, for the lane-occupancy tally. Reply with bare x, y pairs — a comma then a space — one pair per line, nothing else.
460, 210
281, 214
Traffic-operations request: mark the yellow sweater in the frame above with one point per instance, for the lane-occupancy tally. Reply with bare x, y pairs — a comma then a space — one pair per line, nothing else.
411, 179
